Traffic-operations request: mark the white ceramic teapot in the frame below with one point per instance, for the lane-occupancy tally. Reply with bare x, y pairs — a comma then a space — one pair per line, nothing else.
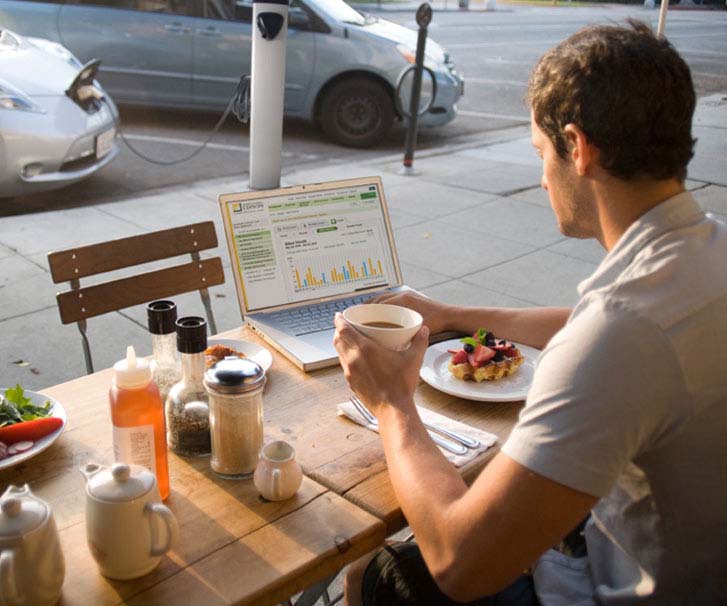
31, 560
127, 526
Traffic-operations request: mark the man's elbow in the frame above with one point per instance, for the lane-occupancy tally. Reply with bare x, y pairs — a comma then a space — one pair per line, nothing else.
463, 584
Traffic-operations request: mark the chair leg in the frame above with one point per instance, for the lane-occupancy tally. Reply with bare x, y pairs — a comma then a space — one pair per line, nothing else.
311, 595
86, 346
205, 295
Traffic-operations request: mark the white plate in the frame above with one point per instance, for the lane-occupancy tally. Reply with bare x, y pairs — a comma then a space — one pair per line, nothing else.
43, 443
434, 371
253, 351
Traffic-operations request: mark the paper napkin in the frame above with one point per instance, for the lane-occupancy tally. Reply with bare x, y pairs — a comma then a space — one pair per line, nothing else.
486, 438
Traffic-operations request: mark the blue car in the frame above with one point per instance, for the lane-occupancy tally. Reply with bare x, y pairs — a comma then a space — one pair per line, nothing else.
342, 66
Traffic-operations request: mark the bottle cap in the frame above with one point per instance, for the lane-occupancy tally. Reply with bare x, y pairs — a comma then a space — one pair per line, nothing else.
161, 316
132, 372
191, 334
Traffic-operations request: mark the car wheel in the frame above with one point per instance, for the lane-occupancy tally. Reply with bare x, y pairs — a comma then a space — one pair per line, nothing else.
357, 112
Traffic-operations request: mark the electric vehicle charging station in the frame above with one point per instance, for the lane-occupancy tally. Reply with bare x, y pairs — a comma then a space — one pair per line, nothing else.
269, 37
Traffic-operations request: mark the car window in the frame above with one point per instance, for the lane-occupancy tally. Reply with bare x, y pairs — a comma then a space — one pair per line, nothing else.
298, 16
170, 7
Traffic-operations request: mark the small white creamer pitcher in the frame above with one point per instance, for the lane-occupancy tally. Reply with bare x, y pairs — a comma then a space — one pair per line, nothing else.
277, 475
127, 526
31, 561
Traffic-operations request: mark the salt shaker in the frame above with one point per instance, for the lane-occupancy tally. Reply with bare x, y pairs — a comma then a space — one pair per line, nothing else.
235, 389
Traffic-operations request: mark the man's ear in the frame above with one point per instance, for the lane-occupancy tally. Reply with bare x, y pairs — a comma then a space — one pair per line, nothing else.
582, 152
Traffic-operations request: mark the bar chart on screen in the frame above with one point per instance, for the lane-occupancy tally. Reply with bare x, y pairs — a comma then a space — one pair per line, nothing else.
329, 270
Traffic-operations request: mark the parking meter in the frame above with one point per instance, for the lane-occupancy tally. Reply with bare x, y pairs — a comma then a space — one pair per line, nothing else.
423, 18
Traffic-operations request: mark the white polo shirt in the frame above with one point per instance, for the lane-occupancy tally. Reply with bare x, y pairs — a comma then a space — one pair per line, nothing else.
629, 403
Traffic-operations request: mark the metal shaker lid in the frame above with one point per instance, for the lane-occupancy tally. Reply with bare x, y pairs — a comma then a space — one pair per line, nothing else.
233, 375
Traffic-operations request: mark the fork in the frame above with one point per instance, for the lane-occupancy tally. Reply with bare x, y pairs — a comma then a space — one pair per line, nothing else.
455, 447
447, 433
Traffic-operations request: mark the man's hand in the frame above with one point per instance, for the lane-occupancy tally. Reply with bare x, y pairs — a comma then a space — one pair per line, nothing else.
377, 375
435, 314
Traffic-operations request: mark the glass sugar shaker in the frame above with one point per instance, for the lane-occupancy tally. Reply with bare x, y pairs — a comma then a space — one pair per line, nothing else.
187, 410
235, 388
165, 366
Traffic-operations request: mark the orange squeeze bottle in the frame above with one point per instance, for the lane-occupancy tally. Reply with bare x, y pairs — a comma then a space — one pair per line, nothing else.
137, 414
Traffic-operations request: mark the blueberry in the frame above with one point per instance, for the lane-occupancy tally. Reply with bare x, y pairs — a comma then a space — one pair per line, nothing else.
499, 356
489, 339
469, 348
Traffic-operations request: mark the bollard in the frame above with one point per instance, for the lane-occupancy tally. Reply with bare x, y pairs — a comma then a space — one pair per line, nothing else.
423, 17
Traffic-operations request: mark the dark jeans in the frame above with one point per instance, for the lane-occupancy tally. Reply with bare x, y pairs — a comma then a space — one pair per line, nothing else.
398, 576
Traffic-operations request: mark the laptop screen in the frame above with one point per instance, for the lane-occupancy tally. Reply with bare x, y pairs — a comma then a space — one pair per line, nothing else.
310, 242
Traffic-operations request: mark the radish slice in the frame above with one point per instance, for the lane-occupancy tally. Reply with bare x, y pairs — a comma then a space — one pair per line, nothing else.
19, 447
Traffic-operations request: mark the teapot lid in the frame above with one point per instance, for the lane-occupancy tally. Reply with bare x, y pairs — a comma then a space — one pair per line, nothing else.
121, 482
20, 512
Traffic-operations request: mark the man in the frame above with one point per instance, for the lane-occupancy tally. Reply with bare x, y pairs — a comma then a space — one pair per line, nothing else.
627, 414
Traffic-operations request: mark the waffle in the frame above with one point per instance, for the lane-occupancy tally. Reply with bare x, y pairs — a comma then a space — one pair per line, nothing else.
492, 371
215, 353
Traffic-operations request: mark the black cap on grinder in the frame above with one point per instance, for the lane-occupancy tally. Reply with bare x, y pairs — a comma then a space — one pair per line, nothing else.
191, 334
161, 316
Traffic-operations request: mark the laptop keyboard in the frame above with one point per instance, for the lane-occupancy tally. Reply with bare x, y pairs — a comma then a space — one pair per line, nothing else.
312, 318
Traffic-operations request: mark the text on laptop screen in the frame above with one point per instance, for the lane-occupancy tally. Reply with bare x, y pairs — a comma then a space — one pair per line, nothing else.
310, 245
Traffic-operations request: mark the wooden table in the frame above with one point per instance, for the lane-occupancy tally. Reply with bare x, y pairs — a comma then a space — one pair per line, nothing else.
343, 456
235, 547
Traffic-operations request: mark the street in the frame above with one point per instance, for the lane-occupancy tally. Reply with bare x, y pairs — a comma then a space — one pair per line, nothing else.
495, 50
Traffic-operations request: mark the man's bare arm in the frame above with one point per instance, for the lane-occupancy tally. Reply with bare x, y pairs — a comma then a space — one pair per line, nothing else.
532, 326
475, 541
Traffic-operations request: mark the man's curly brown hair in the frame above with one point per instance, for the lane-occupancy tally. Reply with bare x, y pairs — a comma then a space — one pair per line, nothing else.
629, 91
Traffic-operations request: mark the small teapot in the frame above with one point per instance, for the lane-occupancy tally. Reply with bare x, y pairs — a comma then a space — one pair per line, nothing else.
277, 475
127, 527
31, 561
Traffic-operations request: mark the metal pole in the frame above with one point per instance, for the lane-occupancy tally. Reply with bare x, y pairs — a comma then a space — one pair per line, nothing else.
662, 18
424, 17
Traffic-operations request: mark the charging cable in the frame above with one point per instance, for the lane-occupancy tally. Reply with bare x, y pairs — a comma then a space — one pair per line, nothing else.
239, 105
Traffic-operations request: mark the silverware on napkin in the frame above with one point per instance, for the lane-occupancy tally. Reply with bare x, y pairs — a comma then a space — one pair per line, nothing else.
454, 442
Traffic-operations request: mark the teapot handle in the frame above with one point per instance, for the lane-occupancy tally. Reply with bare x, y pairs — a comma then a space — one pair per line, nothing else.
170, 523
8, 589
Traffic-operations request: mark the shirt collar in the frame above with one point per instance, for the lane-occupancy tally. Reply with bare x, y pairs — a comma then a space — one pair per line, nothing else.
671, 214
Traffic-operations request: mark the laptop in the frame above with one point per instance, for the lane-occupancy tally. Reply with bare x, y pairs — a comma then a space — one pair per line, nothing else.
300, 254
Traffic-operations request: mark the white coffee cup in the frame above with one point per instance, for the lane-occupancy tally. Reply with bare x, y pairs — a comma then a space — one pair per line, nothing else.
389, 325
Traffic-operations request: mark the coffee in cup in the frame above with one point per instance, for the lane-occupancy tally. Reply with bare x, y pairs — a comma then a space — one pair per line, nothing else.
392, 326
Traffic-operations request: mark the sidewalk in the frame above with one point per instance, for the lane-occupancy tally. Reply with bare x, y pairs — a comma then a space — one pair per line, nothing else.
473, 228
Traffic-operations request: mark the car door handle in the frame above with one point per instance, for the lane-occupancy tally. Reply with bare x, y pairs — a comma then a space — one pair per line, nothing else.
209, 31
177, 28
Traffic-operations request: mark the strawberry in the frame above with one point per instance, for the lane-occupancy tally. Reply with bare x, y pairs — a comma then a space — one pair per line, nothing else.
513, 352
482, 355
459, 357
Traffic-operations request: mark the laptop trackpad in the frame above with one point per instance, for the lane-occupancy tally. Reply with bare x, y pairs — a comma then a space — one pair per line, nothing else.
322, 340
